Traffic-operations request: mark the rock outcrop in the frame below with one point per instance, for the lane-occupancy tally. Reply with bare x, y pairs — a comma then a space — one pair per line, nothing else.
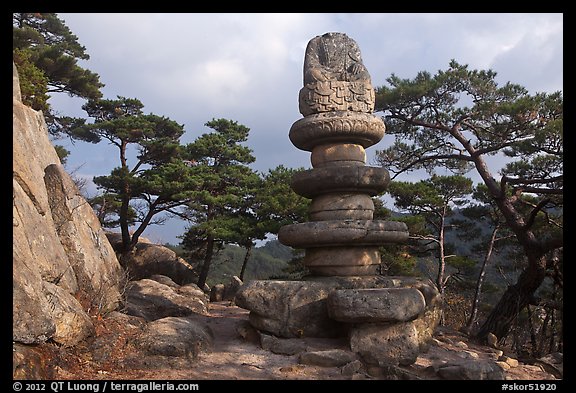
152, 300
63, 264
225, 292
148, 259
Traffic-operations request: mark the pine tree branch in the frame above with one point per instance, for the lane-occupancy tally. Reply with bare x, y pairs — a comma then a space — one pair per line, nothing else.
534, 212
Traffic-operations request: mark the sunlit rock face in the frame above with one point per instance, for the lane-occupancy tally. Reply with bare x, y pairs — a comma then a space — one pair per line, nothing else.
63, 266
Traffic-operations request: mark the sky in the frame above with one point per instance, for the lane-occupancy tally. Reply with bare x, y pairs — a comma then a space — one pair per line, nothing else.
195, 67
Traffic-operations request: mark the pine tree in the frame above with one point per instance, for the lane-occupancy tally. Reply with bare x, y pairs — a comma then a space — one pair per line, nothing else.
219, 165
432, 200
46, 54
458, 118
158, 177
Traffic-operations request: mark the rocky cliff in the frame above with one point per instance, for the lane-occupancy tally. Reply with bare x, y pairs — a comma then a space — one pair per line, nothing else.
64, 269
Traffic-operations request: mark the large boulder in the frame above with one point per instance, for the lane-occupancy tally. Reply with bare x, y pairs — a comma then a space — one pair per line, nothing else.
62, 262
89, 253
152, 300
288, 308
471, 370
72, 324
225, 292
148, 259
376, 304
302, 308
176, 336
386, 344
327, 358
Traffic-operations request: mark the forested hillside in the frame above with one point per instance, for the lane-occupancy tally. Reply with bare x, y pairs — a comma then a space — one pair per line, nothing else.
265, 261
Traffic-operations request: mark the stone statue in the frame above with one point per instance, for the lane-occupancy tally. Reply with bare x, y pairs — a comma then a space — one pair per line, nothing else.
335, 79
386, 319
333, 56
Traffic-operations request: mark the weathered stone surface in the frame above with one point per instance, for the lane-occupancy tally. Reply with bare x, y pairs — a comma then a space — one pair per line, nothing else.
343, 233
351, 368
386, 344
329, 96
164, 280
461, 344
187, 290
217, 293
426, 323
492, 340
341, 261
231, 288
16, 94
346, 179
148, 259
31, 323
59, 251
327, 358
335, 77
333, 56
282, 346
192, 290
376, 304
503, 365
35, 241
89, 253
340, 126
509, 361
299, 308
471, 370
152, 300
338, 154
72, 323
288, 308
176, 336
468, 355
341, 207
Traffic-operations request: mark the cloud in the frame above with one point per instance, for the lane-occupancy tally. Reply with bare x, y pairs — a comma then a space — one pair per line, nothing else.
537, 56
248, 67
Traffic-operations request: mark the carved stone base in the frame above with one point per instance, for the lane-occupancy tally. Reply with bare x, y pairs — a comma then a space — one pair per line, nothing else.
402, 311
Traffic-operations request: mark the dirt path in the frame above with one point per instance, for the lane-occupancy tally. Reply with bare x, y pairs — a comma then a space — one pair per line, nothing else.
235, 358
231, 358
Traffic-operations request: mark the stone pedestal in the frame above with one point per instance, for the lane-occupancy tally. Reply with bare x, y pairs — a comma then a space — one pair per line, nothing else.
387, 319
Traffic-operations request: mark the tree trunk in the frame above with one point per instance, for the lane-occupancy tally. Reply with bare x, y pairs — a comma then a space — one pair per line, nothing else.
246, 258
124, 228
207, 261
515, 298
533, 341
441, 258
124, 207
151, 212
480, 281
